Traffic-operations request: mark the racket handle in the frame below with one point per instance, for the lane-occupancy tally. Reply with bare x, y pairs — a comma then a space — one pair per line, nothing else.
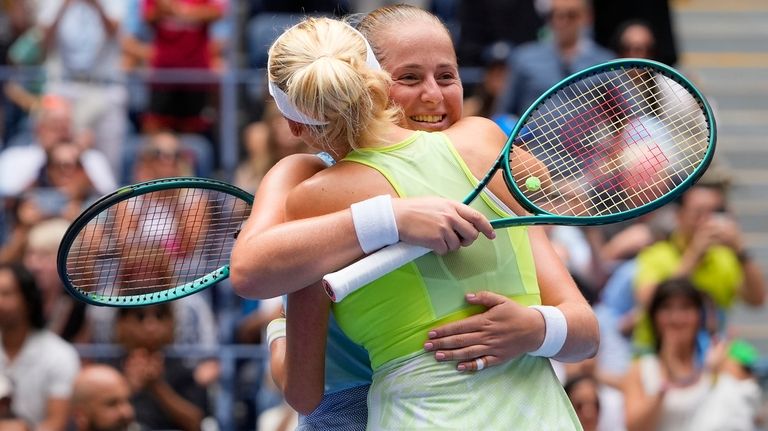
341, 283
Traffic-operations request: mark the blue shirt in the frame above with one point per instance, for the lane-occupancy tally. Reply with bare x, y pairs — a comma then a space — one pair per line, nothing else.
537, 66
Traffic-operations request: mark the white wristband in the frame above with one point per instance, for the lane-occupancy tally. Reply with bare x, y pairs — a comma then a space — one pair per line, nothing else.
275, 330
375, 224
555, 331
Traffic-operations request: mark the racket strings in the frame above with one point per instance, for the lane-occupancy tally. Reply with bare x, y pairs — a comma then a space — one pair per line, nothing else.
635, 164
154, 242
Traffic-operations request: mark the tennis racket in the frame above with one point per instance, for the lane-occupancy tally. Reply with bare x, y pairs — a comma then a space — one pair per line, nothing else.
612, 142
153, 242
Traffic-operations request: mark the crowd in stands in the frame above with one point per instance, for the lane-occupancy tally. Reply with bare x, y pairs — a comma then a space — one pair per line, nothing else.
101, 93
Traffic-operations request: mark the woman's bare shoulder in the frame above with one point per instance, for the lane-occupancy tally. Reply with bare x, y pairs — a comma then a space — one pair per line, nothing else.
334, 189
477, 131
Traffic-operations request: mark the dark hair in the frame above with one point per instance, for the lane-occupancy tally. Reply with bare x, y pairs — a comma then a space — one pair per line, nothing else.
616, 40
33, 299
165, 308
720, 188
673, 287
574, 381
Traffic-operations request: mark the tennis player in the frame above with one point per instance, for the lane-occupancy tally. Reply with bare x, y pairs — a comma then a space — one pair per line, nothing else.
409, 387
431, 222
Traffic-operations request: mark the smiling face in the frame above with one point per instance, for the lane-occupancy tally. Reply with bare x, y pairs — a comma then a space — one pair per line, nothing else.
677, 320
421, 59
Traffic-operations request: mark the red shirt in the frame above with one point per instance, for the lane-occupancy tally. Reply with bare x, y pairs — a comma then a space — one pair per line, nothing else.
178, 43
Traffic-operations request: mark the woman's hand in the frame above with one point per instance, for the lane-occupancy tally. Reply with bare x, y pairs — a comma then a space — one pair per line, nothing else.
439, 224
504, 331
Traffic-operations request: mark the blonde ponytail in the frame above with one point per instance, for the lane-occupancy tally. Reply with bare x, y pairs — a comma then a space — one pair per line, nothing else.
320, 64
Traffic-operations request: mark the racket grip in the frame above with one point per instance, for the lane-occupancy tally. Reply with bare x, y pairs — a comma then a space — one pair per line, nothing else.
341, 283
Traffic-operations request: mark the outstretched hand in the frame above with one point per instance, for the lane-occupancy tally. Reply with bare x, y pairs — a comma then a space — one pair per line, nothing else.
505, 331
440, 224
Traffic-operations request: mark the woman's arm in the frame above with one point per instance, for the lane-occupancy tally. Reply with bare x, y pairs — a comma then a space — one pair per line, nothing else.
642, 410
306, 334
558, 289
264, 263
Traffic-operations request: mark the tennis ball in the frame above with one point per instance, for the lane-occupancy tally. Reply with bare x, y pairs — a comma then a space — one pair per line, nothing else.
533, 184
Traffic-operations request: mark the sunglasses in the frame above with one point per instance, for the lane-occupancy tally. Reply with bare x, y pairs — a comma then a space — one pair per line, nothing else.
164, 155
65, 165
565, 14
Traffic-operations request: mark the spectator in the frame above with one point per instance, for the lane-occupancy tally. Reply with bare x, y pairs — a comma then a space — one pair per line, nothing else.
609, 15
181, 40
136, 42
735, 401
101, 400
707, 246
161, 156
582, 391
64, 174
61, 189
599, 393
536, 66
164, 392
20, 166
83, 66
266, 142
17, 31
665, 388
66, 316
41, 365
635, 39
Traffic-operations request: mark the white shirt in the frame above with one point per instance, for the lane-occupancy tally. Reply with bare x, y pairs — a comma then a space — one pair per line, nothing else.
45, 368
20, 167
82, 45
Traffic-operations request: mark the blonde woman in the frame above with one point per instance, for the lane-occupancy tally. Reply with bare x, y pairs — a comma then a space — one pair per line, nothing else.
326, 83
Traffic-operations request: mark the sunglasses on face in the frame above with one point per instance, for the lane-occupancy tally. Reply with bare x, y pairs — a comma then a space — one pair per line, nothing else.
65, 165
158, 154
565, 15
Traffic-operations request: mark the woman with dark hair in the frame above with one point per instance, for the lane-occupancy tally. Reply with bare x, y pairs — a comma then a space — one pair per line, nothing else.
665, 388
634, 38
583, 391
41, 365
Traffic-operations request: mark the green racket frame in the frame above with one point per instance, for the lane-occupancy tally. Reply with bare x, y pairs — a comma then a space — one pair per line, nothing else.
503, 161
123, 194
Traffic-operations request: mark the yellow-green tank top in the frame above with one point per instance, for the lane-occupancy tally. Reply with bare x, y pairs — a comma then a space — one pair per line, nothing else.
391, 316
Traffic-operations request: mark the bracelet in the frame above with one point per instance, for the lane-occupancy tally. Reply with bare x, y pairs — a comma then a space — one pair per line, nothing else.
275, 330
375, 224
555, 331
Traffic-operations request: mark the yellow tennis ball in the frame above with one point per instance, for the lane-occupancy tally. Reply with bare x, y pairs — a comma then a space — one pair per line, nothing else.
533, 184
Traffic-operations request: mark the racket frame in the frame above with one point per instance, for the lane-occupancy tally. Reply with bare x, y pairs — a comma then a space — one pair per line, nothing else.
123, 194
544, 217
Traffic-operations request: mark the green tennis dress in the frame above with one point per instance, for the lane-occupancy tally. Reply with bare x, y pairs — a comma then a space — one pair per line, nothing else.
391, 316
